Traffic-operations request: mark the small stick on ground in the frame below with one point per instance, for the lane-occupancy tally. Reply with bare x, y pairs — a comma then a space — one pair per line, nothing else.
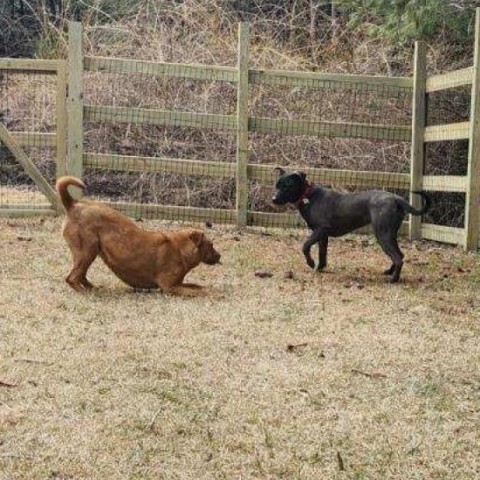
32, 360
291, 346
370, 375
7, 384
152, 423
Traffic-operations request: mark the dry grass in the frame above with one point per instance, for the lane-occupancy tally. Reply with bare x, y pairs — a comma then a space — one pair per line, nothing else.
117, 384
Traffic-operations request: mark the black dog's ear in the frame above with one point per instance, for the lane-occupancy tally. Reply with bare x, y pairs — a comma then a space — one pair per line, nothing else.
279, 170
302, 175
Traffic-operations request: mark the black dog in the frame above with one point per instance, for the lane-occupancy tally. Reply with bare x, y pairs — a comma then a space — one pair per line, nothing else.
332, 214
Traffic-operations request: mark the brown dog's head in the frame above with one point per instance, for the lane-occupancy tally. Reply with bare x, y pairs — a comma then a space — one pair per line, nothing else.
208, 254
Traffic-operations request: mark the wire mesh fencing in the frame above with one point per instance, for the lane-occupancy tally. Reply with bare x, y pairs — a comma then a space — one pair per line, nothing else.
160, 139
345, 132
28, 112
448, 157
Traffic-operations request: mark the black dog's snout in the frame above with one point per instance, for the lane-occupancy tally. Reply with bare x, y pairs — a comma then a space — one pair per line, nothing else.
277, 200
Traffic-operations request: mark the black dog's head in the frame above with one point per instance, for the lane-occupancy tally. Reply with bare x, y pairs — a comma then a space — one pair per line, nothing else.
290, 187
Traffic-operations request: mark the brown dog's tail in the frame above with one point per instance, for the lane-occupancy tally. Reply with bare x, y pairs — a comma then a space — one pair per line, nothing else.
62, 189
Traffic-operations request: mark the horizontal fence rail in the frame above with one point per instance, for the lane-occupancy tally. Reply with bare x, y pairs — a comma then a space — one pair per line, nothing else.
159, 117
451, 131
32, 65
35, 138
157, 164
324, 80
329, 129
186, 71
457, 78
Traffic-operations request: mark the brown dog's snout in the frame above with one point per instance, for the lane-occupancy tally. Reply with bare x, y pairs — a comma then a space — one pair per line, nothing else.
210, 256
216, 257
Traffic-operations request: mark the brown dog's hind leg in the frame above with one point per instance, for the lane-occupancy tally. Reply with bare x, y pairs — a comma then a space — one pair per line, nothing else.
83, 257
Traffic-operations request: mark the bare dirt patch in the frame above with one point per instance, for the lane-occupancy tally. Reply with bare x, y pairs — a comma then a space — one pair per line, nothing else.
294, 375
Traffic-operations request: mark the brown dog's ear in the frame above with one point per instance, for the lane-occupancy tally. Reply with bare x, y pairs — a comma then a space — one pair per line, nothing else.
279, 170
197, 237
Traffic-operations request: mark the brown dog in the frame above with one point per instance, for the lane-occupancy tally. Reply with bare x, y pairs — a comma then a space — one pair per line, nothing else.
141, 259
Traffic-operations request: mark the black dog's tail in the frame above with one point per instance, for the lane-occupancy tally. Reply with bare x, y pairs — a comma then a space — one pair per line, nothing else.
427, 203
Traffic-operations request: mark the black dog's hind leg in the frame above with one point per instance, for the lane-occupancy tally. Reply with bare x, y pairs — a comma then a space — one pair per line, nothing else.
386, 226
390, 247
389, 270
314, 237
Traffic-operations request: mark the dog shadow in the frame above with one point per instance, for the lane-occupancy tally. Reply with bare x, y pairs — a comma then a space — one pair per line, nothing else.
102, 292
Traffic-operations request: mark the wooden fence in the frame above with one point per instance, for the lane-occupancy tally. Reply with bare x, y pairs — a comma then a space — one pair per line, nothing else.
241, 124
77, 112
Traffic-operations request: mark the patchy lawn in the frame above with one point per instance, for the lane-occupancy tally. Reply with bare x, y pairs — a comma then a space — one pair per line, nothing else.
332, 375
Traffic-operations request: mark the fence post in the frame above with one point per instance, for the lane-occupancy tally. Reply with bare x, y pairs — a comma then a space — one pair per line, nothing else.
472, 207
61, 124
418, 130
75, 101
242, 125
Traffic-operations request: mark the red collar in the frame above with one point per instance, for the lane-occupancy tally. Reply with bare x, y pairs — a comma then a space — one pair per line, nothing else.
304, 197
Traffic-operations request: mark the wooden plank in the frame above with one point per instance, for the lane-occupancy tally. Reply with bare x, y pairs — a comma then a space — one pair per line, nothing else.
418, 127
444, 183
260, 173
177, 166
159, 117
266, 174
30, 65
61, 120
75, 103
457, 78
169, 212
329, 129
472, 207
325, 80
161, 69
19, 212
449, 131
30, 169
242, 125
440, 233
35, 139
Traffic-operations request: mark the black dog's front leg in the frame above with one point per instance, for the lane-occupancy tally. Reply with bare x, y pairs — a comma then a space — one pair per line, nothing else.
314, 237
322, 252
